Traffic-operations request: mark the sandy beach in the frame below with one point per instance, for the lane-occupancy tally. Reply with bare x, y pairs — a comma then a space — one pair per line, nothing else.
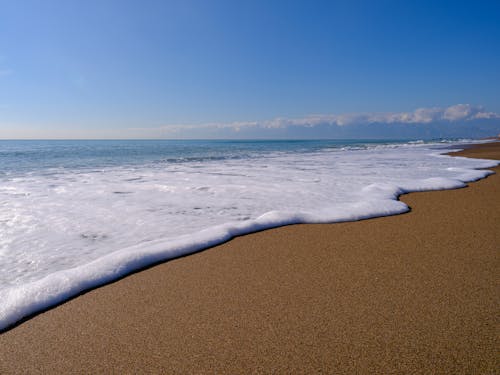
414, 293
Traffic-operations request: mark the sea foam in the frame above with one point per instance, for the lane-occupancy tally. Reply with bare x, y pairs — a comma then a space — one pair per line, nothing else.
67, 230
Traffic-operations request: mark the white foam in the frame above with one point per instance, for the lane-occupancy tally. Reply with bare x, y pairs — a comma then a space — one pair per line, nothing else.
66, 232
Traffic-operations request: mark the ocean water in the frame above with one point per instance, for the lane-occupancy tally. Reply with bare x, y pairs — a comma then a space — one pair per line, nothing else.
77, 214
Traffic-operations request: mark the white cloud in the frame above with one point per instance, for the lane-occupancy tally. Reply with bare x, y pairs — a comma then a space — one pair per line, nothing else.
485, 115
458, 112
455, 113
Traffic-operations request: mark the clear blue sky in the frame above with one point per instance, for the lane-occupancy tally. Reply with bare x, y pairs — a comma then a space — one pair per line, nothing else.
100, 67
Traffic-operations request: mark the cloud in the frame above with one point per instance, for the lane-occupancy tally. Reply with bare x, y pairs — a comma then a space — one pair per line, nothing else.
459, 112
422, 116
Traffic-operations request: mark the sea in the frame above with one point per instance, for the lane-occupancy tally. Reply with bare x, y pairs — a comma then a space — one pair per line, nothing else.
78, 214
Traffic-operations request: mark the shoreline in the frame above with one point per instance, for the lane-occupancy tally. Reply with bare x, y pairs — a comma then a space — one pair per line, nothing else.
286, 327
50, 292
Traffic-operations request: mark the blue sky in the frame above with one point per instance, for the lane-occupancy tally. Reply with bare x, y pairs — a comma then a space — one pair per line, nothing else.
147, 69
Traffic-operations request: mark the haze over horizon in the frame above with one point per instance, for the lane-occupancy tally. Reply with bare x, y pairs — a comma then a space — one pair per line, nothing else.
249, 69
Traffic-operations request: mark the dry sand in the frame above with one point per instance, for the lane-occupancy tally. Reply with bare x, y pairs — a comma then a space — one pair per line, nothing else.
414, 293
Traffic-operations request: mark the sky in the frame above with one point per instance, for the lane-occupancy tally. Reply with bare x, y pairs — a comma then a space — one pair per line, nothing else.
249, 69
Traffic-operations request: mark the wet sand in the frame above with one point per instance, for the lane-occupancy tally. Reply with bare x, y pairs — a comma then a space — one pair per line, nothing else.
413, 293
